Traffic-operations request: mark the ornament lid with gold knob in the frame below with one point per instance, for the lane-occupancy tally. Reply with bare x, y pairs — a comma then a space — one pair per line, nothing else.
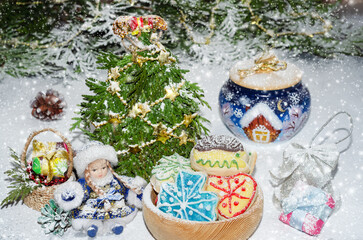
265, 73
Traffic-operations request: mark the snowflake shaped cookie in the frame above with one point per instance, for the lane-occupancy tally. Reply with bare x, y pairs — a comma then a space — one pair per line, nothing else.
167, 170
185, 199
236, 193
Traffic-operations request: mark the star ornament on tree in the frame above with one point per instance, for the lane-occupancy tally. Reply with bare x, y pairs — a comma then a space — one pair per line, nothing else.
185, 198
114, 121
134, 111
183, 138
140, 60
134, 148
163, 57
188, 119
144, 109
163, 136
114, 87
139, 109
114, 73
158, 128
171, 93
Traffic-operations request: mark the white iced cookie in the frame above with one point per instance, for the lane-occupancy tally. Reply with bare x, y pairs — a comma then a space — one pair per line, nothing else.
221, 155
167, 169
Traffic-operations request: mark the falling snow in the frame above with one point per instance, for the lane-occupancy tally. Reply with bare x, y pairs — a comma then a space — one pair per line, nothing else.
229, 96
334, 84
244, 100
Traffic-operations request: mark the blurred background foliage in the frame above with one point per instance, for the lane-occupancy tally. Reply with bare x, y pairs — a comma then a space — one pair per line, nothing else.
62, 39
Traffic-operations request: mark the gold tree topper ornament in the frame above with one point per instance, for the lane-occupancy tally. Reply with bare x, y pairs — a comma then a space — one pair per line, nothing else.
125, 25
128, 26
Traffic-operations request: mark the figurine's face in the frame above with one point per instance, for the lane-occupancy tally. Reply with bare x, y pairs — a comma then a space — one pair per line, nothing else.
98, 169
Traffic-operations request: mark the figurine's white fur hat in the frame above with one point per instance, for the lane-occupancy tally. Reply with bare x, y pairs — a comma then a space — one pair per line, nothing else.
92, 152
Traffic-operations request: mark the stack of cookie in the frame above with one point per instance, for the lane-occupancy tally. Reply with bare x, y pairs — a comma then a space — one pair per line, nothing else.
228, 166
209, 196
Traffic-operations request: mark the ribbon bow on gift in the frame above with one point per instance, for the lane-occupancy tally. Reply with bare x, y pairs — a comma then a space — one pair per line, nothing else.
313, 165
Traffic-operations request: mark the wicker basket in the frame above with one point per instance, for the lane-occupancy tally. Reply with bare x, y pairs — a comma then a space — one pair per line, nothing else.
163, 226
41, 196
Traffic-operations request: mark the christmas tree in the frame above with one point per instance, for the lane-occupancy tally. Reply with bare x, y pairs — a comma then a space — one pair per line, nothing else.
145, 108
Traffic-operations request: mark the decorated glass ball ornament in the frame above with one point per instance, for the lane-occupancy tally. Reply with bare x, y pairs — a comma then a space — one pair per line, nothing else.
264, 100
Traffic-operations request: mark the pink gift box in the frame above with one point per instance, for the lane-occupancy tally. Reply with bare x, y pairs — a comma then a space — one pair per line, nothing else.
310, 207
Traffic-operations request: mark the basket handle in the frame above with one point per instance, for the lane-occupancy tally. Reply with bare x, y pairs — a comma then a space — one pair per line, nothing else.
65, 140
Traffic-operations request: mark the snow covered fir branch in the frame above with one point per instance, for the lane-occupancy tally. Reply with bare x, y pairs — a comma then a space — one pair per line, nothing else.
19, 182
63, 38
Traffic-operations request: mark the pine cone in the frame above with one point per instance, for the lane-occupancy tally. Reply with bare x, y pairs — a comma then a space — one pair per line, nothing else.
48, 106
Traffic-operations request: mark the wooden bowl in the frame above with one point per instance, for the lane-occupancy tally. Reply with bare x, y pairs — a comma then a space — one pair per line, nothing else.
164, 226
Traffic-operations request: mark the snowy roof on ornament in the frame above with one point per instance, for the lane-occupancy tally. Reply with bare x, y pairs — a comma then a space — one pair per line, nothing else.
264, 110
260, 80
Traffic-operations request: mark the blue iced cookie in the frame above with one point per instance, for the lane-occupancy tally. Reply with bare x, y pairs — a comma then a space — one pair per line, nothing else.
185, 199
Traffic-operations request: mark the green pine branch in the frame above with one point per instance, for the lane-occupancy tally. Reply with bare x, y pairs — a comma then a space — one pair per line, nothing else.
20, 184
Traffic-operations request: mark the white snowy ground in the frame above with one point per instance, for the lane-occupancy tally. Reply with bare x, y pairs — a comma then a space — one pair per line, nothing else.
335, 84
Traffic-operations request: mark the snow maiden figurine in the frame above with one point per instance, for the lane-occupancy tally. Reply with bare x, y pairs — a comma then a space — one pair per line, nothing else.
101, 200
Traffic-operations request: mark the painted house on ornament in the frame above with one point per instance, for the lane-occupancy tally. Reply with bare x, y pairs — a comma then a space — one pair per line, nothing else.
261, 124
